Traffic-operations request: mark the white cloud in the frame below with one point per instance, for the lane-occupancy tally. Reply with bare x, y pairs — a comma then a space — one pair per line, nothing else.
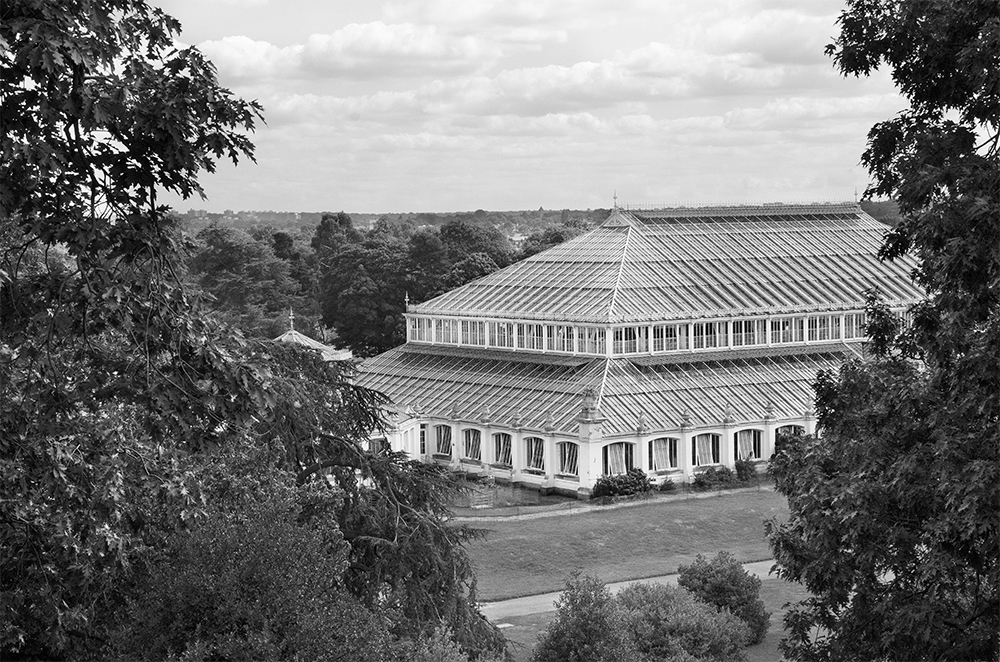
369, 51
392, 50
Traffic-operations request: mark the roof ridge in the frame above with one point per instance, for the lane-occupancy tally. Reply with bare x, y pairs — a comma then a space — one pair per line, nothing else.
621, 270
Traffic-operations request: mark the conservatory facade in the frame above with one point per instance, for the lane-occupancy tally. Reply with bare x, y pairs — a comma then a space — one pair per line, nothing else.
664, 340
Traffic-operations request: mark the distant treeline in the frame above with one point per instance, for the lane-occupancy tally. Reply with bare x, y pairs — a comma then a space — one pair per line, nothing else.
514, 223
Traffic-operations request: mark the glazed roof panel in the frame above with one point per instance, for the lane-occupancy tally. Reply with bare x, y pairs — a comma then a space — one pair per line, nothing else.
680, 264
438, 384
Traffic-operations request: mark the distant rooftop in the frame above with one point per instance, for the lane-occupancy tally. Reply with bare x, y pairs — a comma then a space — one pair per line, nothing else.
328, 353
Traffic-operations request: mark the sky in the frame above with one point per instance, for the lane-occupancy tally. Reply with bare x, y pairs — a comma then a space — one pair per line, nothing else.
458, 105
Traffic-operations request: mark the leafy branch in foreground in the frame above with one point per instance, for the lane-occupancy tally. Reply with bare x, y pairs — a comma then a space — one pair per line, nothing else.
895, 509
119, 396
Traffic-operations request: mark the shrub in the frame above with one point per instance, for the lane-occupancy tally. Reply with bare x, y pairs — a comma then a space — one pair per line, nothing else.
668, 623
587, 626
644, 622
714, 478
746, 471
724, 583
667, 485
634, 481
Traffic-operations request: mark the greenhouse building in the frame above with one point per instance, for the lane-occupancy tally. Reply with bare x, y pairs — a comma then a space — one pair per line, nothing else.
668, 340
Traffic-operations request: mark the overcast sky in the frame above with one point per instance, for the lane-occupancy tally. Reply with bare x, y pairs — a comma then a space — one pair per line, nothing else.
448, 105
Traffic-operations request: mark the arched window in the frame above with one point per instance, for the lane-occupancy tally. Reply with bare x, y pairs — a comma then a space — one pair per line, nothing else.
663, 454
747, 444
473, 449
705, 449
535, 453
442, 434
501, 448
618, 458
569, 458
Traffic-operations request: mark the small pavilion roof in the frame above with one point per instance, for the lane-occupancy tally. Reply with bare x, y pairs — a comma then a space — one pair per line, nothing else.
675, 264
329, 353
466, 384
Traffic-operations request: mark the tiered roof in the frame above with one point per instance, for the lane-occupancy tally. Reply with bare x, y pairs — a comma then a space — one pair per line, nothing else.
647, 266
472, 385
643, 266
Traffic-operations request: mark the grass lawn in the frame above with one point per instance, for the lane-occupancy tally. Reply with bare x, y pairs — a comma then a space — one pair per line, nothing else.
530, 556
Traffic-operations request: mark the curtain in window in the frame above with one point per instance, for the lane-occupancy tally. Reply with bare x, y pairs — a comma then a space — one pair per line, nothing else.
502, 448
535, 453
664, 454
616, 459
472, 443
568, 454
444, 439
745, 444
703, 448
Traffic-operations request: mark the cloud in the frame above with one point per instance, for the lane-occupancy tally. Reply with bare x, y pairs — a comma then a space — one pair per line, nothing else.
424, 104
392, 50
775, 36
243, 58
788, 112
360, 51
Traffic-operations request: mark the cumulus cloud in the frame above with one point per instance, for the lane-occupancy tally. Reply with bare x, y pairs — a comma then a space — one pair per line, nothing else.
380, 49
767, 36
369, 51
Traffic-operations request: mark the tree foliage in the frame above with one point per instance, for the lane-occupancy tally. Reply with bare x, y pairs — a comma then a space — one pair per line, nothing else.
252, 287
120, 396
363, 295
260, 577
97, 348
894, 522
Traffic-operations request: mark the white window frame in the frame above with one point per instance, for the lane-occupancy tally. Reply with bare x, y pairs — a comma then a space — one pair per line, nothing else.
663, 456
443, 439
569, 458
472, 446
502, 449
749, 439
714, 442
534, 453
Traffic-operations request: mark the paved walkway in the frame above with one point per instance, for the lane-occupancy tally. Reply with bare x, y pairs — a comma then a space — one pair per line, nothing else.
539, 604
581, 507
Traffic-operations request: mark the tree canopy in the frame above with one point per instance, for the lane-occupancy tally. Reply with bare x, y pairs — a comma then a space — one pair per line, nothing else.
895, 508
132, 419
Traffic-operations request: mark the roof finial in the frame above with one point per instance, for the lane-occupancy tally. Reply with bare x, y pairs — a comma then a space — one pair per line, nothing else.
406, 301
616, 198
291, 319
